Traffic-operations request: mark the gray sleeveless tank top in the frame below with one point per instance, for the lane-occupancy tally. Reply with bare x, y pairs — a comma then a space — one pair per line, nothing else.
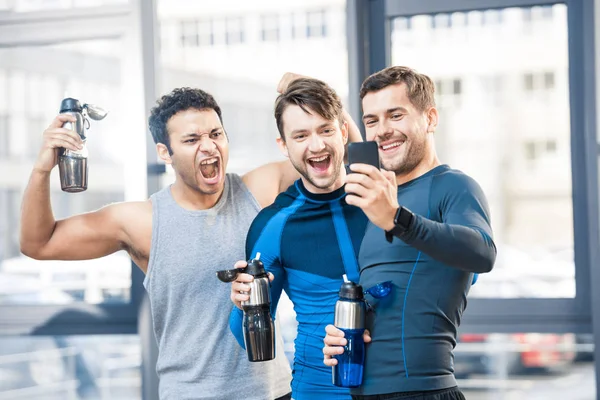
199, 357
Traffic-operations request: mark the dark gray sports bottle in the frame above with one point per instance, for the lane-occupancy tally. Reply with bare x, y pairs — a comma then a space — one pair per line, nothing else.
73, 165
259, 331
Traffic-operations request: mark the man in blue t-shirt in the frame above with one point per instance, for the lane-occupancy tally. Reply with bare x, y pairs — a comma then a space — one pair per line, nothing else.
309, 237
429, 234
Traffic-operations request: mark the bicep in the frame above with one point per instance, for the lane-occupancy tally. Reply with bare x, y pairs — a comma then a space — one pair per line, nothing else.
86, 236
467, 207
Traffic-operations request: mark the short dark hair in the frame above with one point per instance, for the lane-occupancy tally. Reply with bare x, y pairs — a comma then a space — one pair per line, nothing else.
180, 99
309, 93
419, 87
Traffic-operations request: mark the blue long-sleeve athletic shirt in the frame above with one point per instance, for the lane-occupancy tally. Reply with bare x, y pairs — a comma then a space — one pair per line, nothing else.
308, 241
431, 266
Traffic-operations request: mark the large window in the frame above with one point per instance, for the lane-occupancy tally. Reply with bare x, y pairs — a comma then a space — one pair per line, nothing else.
515, 86
53, 305
34, 81
504, 120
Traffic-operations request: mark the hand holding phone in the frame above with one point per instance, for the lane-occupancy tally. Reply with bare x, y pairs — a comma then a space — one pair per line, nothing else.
371, 189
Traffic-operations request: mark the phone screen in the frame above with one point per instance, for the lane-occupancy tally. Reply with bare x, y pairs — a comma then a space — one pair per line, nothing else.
364, 153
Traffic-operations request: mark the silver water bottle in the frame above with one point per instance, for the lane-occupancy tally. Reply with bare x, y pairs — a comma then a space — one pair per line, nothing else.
350, 312
73, 165
259, 331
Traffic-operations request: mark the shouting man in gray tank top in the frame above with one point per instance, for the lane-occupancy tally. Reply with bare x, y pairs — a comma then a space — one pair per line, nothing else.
178, 238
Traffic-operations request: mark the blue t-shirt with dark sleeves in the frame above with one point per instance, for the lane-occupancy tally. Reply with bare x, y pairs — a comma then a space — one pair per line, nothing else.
308, 241
431, 266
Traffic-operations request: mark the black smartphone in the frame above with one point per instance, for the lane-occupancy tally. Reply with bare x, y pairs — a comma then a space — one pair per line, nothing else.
364, 153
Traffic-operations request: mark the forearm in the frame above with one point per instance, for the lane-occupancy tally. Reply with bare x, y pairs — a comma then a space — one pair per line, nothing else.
37, 219
354, 134
458, 246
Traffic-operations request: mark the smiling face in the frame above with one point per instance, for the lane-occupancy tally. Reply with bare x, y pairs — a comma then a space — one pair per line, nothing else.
309, 116
200, 150
315, 146
400, 129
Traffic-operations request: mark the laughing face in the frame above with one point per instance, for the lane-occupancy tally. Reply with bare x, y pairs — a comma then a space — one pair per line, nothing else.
315, 146
398, 127
200, 149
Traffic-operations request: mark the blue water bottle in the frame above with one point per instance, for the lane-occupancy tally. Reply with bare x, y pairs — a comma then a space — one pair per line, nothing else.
350, 317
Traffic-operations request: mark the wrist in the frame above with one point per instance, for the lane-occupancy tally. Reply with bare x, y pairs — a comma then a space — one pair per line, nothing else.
41, 170
389, 221
402, 221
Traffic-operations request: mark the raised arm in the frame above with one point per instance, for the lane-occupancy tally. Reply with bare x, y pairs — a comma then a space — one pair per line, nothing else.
81, 237
462, 240
353, 131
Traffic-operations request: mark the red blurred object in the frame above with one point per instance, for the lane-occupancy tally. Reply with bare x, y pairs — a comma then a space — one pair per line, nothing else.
524, 352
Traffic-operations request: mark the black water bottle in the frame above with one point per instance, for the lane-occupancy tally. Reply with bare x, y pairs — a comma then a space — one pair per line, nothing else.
259, 330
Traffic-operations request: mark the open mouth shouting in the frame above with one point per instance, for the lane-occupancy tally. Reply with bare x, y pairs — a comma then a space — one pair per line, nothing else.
320, 165
210, 168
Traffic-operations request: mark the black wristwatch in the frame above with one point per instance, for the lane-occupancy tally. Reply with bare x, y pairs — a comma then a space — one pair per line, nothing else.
402, 221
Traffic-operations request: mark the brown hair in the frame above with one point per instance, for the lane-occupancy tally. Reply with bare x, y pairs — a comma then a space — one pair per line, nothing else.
419, 87
309, 93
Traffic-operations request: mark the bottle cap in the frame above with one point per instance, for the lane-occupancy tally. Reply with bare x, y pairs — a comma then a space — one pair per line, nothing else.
256, 267
70, 104
351, 291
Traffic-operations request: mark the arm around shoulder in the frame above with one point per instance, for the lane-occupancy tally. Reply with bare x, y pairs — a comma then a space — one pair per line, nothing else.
267, 181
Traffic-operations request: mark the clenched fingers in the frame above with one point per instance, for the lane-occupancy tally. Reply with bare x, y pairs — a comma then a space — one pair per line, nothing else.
60, 137
60, 119
239, 291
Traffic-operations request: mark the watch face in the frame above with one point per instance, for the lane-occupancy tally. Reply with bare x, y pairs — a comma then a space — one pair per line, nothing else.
403, 217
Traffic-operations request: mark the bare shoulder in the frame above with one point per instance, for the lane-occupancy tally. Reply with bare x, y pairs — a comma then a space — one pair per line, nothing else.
267, 181
130, 212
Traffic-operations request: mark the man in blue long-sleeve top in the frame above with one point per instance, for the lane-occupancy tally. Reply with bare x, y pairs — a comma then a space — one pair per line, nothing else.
429, 234
310, 237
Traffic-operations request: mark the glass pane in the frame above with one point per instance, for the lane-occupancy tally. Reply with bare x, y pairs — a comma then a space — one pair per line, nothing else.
240, 57
33, 81
504, 120
525, 366
70, 367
